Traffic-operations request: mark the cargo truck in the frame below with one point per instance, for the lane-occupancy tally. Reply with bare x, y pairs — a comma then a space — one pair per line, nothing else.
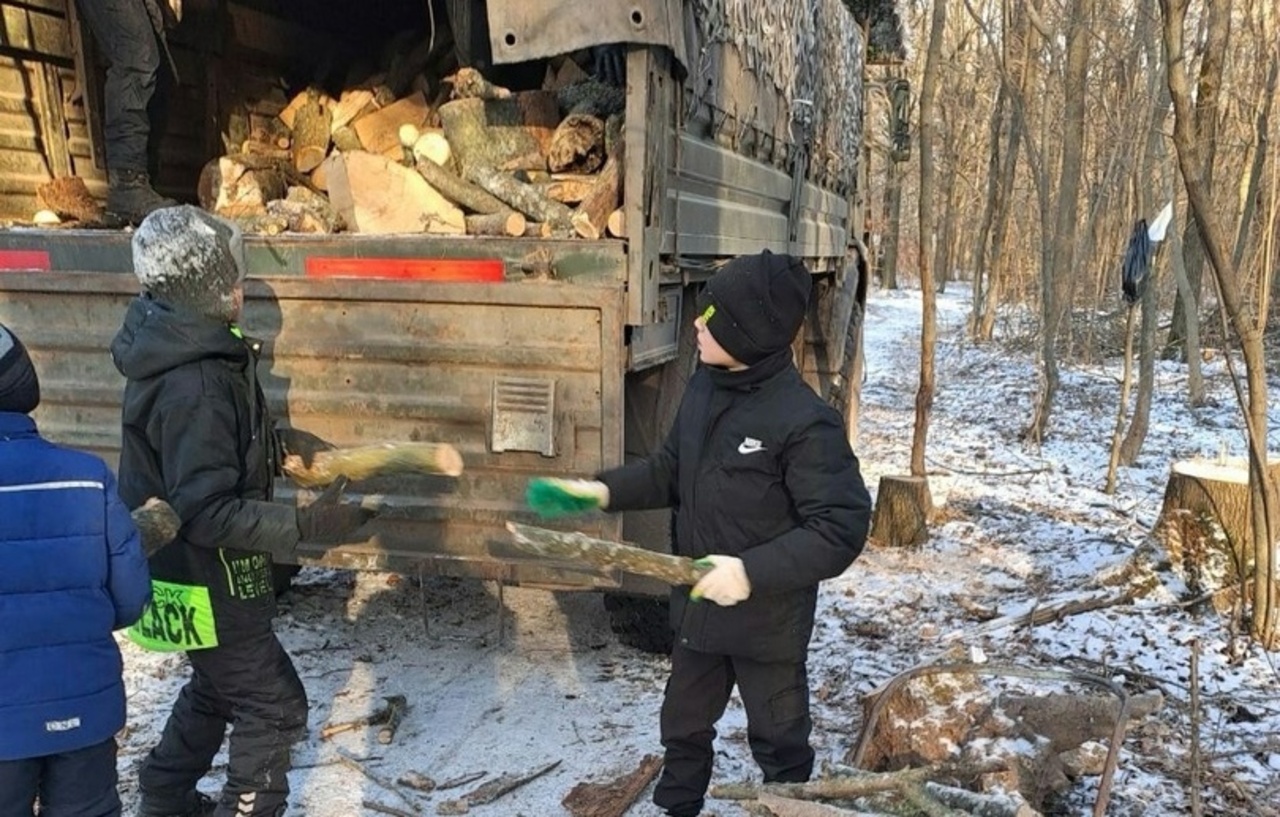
743, 128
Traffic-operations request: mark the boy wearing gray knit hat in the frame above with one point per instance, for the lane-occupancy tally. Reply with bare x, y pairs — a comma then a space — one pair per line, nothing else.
198, 433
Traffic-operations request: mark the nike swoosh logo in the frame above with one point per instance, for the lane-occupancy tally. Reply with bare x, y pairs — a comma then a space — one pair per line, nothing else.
750, 447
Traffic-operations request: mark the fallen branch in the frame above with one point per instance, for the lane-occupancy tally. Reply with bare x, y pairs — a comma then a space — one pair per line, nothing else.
978, 804
373, 805
461, 780
351, 762
614, 798
491, 791
845, 788
790, 807
1038, 614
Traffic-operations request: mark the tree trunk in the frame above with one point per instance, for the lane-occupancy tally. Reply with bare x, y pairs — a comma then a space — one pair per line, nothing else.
1266, 605
903, 508
893, 225
1055, 285
928, 292
1204, 132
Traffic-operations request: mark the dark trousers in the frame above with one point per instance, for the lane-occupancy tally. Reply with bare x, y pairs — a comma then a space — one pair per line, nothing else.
776, 697
252, 686
75, 784
125, 36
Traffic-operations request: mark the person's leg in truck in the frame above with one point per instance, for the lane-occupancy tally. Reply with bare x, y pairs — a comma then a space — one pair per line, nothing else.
126, 37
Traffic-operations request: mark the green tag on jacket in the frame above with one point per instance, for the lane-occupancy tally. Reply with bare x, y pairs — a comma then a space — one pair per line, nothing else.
179, 618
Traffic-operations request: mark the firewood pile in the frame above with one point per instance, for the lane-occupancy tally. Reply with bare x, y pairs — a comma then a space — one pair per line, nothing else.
472, 159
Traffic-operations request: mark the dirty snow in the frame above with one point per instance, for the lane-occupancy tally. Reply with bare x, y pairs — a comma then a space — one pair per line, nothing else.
1020, 527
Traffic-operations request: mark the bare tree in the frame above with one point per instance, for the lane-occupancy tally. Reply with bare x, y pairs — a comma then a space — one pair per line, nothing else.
1056, 274
929, 320
1247, 328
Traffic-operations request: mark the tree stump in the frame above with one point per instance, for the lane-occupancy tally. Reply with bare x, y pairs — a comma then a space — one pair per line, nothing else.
903, 508
1205, 525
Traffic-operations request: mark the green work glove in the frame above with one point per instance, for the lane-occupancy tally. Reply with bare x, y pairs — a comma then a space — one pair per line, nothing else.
551, 496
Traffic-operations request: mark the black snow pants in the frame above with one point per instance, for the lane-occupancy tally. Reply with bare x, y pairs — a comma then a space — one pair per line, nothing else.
135, 95
253, 685
776, 697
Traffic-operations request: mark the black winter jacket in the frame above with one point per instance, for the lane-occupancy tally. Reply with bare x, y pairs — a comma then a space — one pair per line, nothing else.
198, 435
757, 467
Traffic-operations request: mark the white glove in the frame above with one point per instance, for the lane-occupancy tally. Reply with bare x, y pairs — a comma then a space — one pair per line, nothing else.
726, 584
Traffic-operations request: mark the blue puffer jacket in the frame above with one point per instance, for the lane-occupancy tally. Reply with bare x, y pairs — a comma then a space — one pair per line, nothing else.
71, 571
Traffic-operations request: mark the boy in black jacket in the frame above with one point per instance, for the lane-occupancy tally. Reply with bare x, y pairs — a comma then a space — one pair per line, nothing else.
198, 434
769, 494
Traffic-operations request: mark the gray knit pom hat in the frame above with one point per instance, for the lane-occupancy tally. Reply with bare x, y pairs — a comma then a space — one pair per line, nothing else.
190, 259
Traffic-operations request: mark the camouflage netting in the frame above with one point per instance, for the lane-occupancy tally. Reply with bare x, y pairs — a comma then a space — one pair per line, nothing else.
807, 53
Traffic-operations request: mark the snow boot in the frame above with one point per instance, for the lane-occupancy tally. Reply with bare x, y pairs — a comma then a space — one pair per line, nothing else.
130, 197
193, 804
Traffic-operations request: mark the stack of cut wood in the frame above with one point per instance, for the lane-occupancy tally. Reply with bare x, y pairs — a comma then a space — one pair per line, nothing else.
476, 159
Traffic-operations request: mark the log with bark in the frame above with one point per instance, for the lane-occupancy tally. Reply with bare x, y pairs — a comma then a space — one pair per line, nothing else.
305, 211
523, 197
310, 140
460, 191
507, 222
614, 798
369, 461
497, 132
468, 83
158, 524
577, 145
601, 553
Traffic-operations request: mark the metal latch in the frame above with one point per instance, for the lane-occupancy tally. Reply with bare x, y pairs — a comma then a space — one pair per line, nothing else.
523, 412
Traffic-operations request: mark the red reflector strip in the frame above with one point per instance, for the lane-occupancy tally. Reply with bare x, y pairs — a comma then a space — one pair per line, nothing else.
451, 270
23, 260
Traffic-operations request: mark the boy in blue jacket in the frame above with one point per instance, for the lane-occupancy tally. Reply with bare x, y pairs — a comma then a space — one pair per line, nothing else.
71, 571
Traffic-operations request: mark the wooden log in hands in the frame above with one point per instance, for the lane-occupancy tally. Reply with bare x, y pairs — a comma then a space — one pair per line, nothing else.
368, 461
578, 547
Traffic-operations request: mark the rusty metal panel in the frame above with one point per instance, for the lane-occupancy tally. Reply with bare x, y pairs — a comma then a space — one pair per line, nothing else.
520, 30
359, 361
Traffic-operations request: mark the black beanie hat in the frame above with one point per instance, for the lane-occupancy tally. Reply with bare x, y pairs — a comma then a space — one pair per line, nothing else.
755, 304
19, 386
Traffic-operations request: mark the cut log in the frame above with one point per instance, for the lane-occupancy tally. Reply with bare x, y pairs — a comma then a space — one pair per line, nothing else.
592, 216
379, 131
346, 139
507, 222
352, 103
396, 706
614, 798
233, 186
903, 509
577, 145
460, 191
376, 195
618, 223
468, 83
567, 189
1069, 721
254, 147
310, 133
315, 215
373, 460
1205, 524
69, 198
523, 197
269, 130
578, 547
495, 132
433, 147
158, 524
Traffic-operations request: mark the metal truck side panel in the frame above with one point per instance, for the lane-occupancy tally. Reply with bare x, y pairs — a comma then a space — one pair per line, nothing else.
362, 361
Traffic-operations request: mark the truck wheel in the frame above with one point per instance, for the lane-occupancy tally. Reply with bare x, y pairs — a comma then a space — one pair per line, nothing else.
641, 622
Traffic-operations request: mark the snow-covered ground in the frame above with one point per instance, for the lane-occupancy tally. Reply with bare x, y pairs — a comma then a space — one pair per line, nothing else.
1020, 526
